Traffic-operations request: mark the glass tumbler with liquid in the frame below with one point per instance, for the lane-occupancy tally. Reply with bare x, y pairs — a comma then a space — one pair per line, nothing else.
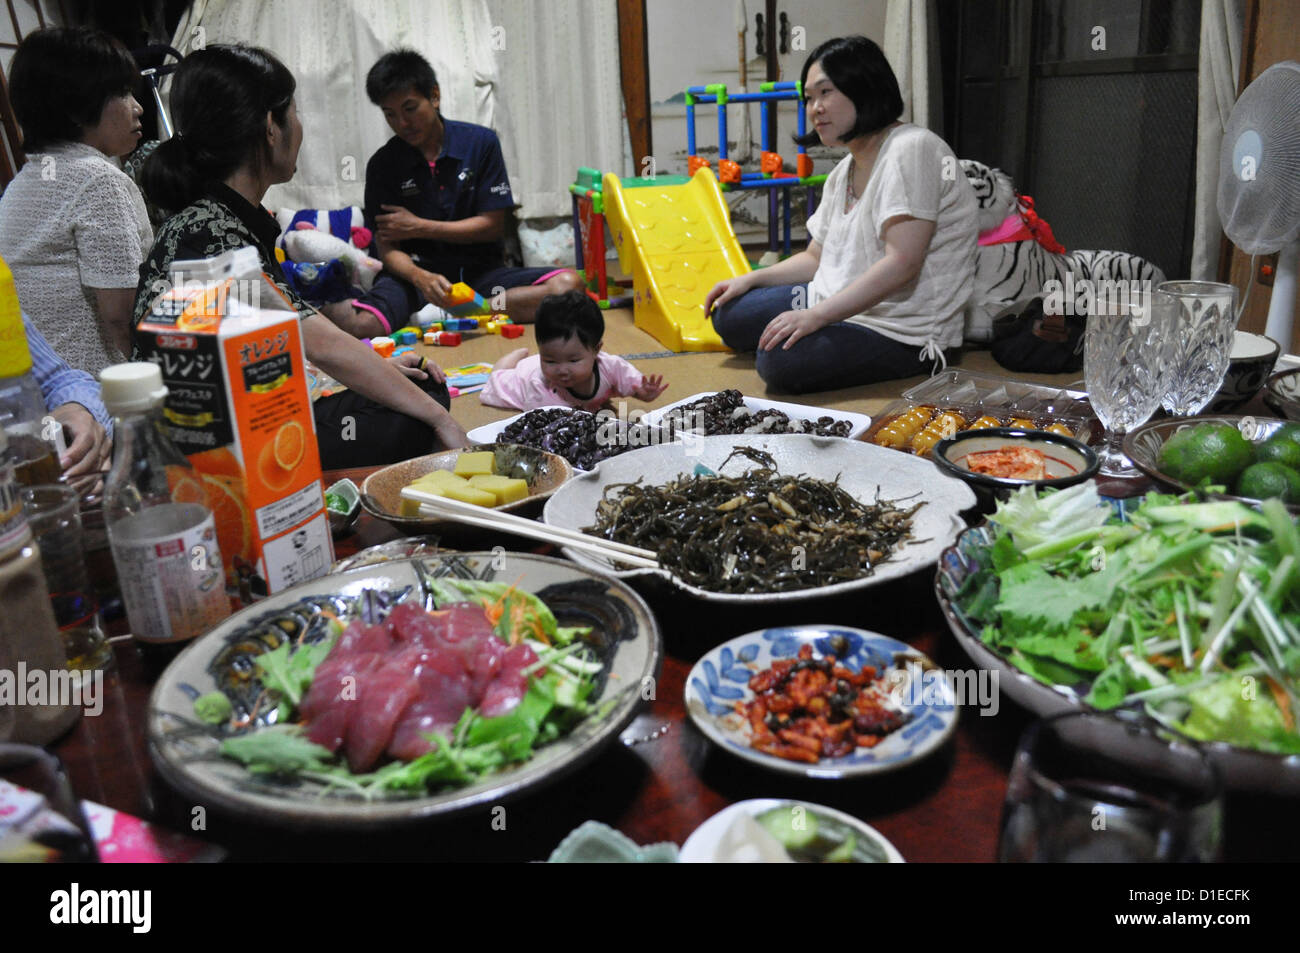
1098, 786
160, 527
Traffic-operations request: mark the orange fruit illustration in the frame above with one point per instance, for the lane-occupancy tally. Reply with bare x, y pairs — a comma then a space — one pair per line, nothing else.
269, 471
290, 442
218, 462
226, 498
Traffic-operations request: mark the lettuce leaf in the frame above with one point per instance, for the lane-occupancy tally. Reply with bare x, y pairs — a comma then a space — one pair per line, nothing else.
1034, 518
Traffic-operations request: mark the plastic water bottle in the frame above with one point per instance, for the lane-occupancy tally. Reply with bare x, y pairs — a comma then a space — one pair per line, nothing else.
160, 527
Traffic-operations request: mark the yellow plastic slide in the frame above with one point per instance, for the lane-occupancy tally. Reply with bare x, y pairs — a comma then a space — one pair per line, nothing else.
676, 241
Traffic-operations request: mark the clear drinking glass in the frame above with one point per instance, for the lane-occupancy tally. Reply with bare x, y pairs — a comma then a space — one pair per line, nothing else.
40, 816
1093, 786
1126, 368
52, 514
1203, 319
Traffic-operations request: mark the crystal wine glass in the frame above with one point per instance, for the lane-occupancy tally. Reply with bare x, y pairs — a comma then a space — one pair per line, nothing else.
1203, 317
1126, 352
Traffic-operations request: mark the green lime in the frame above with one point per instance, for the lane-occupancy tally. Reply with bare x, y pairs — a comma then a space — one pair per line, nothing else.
1216, 453
1263, 481
1279, 449
1287, 432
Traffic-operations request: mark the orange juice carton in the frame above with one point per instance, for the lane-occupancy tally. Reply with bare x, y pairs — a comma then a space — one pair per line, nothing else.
231, 353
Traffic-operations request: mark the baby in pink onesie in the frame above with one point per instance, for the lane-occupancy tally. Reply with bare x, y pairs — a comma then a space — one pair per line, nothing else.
569, 367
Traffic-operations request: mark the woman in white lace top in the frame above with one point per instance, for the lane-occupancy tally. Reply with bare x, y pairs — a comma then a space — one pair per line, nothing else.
73, 226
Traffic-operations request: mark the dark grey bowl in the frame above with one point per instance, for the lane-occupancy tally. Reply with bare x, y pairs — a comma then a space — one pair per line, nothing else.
1253, 357
1069, 461
1282, 394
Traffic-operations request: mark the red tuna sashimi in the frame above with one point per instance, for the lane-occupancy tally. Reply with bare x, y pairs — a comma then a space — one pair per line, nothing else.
332, 695
445, 691
412, 624
382, 695
359, 638
467, 621
510, 685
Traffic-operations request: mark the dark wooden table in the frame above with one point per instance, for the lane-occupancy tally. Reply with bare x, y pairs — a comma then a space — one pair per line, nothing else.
664, 778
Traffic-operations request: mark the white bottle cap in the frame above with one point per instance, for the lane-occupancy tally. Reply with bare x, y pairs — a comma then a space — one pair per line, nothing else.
131, 388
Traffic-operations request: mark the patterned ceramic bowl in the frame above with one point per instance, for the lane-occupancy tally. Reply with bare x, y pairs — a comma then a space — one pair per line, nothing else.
381, 493
915, 687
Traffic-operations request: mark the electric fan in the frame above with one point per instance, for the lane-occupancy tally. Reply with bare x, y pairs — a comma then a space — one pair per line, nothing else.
1259, 183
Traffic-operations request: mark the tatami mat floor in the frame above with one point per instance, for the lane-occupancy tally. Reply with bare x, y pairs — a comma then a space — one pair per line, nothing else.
693, 373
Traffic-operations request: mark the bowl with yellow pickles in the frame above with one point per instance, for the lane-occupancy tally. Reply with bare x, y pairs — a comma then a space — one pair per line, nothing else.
497, 476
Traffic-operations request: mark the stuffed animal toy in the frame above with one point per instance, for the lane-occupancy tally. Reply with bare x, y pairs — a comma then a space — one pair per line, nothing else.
348, 223
310, 245
1018, 255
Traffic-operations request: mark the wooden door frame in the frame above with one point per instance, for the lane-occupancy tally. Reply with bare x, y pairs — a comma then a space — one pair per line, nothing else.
634, 71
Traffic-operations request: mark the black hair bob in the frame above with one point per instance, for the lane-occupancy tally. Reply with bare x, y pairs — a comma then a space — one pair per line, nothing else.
859, 70
60, 80
220, 98
564, 315
398, 71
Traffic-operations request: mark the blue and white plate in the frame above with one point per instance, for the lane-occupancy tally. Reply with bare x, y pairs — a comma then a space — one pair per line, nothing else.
915, 685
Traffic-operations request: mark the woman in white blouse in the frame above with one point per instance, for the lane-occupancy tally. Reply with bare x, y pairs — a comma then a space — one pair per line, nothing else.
881, 290
73, 226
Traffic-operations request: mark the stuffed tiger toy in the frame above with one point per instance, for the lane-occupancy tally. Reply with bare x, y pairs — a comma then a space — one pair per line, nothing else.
1008, 272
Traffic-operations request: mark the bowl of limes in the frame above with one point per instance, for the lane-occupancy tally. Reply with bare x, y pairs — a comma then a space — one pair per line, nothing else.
1245, 458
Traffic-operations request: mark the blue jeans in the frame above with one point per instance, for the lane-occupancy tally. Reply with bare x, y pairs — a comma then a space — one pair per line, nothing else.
839, 355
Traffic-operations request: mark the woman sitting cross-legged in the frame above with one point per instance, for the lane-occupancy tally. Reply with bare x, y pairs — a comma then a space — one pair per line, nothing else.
238, 133
882, 287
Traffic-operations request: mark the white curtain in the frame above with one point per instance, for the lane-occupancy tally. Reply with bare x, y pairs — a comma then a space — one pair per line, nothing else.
329, 45
1222, 25
912, 48
563, 97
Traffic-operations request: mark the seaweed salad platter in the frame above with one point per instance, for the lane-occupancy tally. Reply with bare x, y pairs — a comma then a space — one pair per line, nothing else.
751, 518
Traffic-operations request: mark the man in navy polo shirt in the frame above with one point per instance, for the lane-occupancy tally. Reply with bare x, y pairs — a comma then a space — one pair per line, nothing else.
437, 195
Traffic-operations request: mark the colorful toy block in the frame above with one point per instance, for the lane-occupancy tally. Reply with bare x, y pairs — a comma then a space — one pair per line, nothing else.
383, 346
442, 338
406, 336
512, 330
464, 301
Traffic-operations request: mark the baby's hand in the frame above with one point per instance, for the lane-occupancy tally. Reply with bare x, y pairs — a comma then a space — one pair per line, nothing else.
652, 385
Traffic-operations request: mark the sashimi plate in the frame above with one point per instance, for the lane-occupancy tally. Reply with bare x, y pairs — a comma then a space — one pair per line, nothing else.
185, 750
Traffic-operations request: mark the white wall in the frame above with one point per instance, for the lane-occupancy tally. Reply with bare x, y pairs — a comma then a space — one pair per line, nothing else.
693, 43
28, 21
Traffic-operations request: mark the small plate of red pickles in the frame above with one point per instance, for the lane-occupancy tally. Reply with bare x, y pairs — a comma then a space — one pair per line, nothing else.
822, 701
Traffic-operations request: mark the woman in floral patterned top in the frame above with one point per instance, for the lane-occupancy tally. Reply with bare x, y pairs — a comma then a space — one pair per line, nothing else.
238, 133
